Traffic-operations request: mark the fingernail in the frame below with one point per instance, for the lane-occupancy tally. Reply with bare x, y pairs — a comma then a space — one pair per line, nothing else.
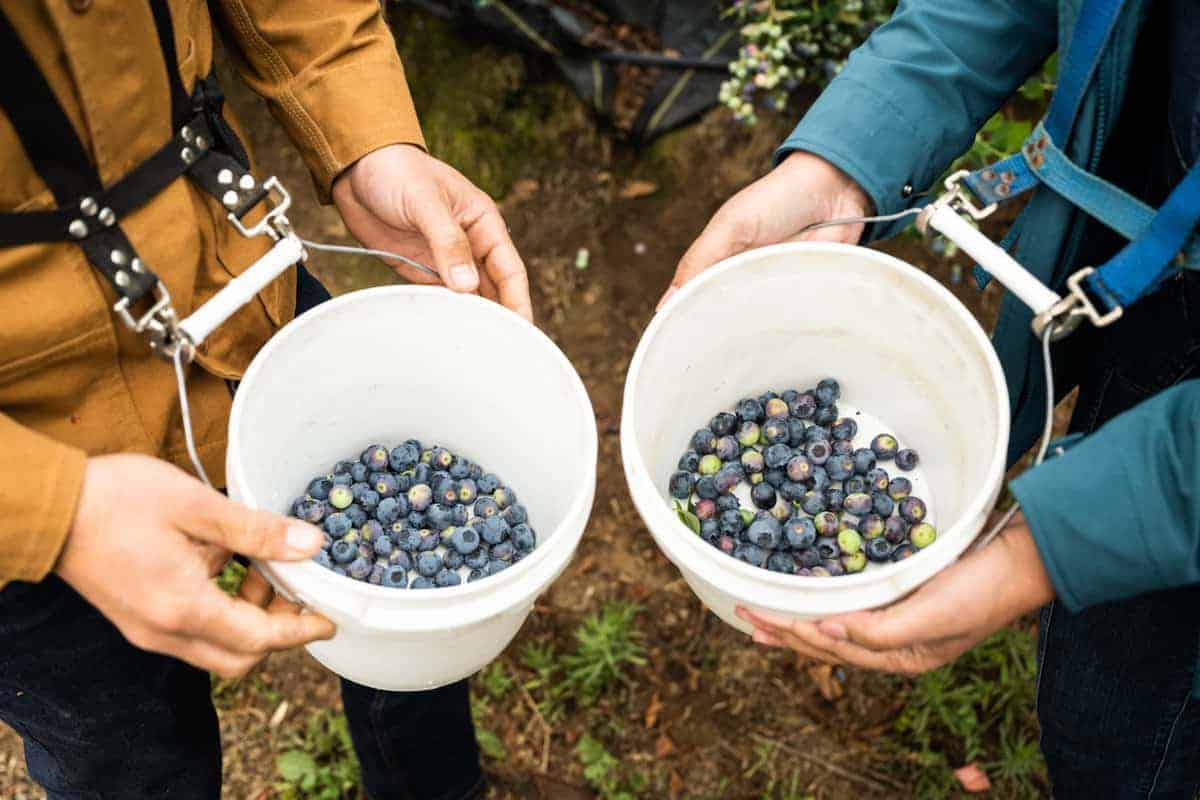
834, 630
462, 276
303, 539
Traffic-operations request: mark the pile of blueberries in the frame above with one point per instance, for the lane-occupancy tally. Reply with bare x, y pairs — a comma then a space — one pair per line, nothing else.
822, 505
415, 517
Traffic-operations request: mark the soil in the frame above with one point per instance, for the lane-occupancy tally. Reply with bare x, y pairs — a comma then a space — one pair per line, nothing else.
711, 715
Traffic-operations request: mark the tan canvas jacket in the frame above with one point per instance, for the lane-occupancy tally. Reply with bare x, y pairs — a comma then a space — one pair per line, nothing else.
73, 381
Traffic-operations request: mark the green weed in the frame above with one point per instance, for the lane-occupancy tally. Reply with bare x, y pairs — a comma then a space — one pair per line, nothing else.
603, 771
321, 764
609, 645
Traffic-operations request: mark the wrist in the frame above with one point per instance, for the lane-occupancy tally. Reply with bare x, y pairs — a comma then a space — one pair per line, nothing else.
1029, 582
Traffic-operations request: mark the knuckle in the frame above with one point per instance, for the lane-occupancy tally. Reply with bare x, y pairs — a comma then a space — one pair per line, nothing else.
169, 617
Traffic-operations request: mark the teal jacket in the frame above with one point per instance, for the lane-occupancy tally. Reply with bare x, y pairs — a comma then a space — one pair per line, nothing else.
908, 102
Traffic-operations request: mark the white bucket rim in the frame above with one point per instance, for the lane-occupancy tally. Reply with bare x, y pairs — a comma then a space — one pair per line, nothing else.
659, 516
309, 570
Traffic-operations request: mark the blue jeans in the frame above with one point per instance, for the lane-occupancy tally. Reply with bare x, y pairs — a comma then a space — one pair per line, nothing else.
102, 719
1115, 688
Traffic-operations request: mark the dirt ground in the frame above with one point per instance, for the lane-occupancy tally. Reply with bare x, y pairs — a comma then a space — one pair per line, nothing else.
711, 715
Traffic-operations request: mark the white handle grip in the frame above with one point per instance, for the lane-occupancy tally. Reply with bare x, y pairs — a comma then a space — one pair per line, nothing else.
242, 289
992, 258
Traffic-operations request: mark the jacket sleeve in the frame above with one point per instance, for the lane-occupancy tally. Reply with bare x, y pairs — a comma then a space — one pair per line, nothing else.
40, 481
330, 74
1119, 514
911, 99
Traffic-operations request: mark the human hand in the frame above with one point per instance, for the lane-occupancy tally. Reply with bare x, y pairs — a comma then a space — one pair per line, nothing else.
145, 544
802, 190
401, 199
951, 613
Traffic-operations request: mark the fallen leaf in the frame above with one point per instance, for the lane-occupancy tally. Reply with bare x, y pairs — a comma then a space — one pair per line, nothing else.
652, 710
676, 785
636, 189
973, 778
663, 747
522, 190
639, 591
829, 686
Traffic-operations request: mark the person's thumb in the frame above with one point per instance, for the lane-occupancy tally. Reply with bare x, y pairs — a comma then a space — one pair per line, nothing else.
718, 241
452, 256
251, 532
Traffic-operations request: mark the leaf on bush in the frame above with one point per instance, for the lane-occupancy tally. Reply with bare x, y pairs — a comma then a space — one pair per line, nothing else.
490, 744
296, 765
973, 778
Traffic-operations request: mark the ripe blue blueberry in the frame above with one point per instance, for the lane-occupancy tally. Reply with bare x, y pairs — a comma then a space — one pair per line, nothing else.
774, 431
319, 488
799, 468
813, 502
704, 441
781, 562
835, 499
728, 477
403, 457
688, 462
882, 504
421, 582
777, 456
826, 415
468, 491
465, 540
478, 559
395, 578
460, 468
495, 530
827, 548
309, 510
359, 472
388, 510
877, 480
439, 517
337, 525
359, 568
803, 406
820, 479
842, 447
516, 514
343, 552
476, 574
727, 502
839, 467
844, 428
399, 558
903, 551
730, 522
828, 390
421, 473
765, 533
706, 488
496, 566
879, 549
440, 458
791, 491
907, 459
753, 555
864, 460
447, 578
818, 452
723, 424
816, 433
895, 530
796, 429
799, 532
899, 488
503, 551
429, 564
375, 458
341, 479
763, 496
429, 541
884, 445
322, 558
486, 507
913, 510
727, 448
750, 410
855, 485
523, 538
409, 540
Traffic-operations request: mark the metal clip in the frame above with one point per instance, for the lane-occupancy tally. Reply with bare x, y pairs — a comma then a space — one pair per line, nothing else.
956, 197
159, 325
1066, 314
274, 223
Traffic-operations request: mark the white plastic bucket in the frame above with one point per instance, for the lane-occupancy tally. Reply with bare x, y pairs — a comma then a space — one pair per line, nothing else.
904, 349
385, 364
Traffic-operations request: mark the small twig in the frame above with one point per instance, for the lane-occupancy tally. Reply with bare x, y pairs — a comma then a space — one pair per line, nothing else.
545, 727
879, 784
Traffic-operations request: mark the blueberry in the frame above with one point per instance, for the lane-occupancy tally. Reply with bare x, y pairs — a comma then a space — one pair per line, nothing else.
872, 526
763, 496
842, 447
899, 488
420, 496
494, 566
359, 472
864, 460
854, 562
337, 525
816, 433
844, 428
366, 551
882, 504
799, 468
400, 558
730, 522
486, 507
754, 555
341, 479
446, 492
775, 477
913, 510
429, 564
368, 500
895, 530
839, 467
788, 395
709, 464
749, 434
705, 509
440, 458
376, 576
322, 558
475, 575
516, 514
319, 488
447, 578
752, 462
828, 391
774, 431
356, 514
464, 541
388, 510
460, 468
489, 483
503, 551
877, 480
439, 517
343, 466
403, 457
723, 424
706, 488
791, 491
849, 540
796, 429
820, 571
311, 511
776, 408
827, 548
903, 551
750, 410
879, 549
803, 406
495, 530
781, 562
343, 552
799, 532
370, 531
375, 458
922, 535
855, 485
818, 452
813, 502
468, 490
808, 557
409, 541
777, 456
523, 538
359, 568
727, 502
479, 559
704, 441
827, 523
385, 483
429, 541
884, 446
415, 519
729, 477
907, 459
765, 533
421, 582
727, 448
820, 480
835, 499
395, 578
421, 473
826, 415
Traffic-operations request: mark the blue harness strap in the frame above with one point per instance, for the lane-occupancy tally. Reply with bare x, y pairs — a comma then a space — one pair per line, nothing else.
1159, 240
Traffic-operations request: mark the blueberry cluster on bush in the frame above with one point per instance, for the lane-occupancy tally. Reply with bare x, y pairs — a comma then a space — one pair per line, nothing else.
418, 518
823, 504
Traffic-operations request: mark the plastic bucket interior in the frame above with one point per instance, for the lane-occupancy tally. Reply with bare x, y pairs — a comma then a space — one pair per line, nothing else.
386, 364
904, 349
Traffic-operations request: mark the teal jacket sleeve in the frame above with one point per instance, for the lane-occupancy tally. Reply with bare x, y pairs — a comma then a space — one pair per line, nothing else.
1119, 514
911, 98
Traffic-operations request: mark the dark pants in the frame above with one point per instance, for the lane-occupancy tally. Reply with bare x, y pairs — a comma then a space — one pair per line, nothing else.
103, 719
1115, 687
